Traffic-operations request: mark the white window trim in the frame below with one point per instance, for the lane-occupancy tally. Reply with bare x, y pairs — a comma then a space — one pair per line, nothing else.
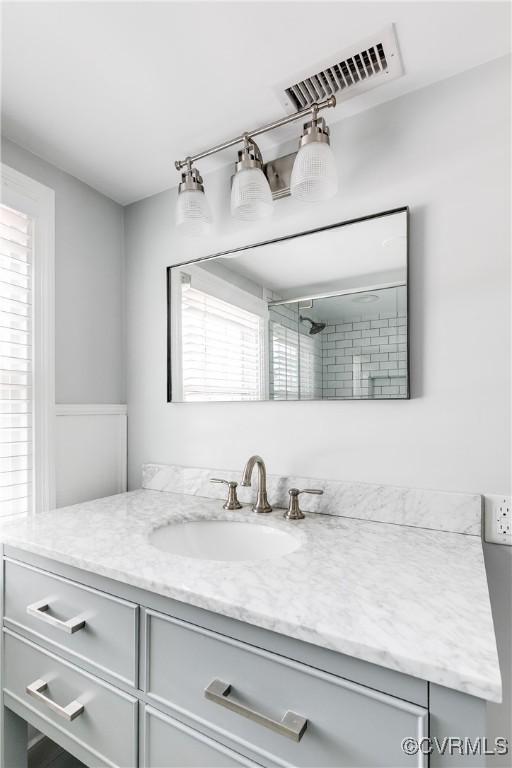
38, 201
224, 290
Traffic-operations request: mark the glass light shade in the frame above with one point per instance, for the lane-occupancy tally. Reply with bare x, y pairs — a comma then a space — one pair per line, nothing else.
314, 177
193, 213
251, 198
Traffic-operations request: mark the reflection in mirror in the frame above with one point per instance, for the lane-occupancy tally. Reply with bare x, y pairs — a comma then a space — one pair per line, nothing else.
318, 316
318, 350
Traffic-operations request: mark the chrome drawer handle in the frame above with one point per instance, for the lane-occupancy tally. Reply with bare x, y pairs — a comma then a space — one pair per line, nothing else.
292, 725
69, 712
39, 611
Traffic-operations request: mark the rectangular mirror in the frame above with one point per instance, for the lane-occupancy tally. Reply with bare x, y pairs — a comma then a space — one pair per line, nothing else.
320, 315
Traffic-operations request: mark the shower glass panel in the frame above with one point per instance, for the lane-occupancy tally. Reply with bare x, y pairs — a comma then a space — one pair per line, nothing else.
321, 315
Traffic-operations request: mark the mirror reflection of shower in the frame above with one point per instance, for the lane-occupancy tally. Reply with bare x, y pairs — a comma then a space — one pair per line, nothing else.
315, 327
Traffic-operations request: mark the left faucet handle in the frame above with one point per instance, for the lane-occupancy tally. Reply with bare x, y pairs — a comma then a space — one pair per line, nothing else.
232, 500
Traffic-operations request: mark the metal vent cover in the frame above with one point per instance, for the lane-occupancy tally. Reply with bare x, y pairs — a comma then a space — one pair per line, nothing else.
347, 73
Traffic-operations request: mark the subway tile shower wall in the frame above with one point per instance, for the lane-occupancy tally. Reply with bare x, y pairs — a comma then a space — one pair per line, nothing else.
366, 358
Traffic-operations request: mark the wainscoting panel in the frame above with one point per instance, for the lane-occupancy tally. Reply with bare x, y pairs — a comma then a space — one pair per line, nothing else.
90, 455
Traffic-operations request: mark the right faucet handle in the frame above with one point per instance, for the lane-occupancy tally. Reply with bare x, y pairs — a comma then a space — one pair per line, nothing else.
232, 500
294, 512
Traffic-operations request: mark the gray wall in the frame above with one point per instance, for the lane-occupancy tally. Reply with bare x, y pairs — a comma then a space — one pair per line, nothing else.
444, 151
89, 278
427, 150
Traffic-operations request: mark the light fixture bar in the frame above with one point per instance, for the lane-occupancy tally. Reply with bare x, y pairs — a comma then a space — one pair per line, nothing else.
314, 108
334, 294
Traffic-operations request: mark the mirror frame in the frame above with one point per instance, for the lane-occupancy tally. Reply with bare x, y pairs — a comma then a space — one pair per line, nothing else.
390, 212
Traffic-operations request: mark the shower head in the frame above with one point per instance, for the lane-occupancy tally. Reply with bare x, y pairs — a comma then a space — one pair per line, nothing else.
315, 327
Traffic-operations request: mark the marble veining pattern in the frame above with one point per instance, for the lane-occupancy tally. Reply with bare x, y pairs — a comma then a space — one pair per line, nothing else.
437, 510
410, 599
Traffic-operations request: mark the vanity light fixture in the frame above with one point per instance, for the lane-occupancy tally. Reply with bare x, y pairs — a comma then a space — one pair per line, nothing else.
314, 177
255, 185
192, 209
251, 198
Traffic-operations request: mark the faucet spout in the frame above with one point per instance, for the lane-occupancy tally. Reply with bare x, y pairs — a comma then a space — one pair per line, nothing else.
261, 504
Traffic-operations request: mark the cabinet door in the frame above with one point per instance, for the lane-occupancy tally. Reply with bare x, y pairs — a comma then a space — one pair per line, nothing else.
97, 717
96, 630
170, 744
247, 696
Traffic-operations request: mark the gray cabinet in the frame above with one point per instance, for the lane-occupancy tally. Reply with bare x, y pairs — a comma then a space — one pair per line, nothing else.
191, 688
84, 624
95, 715
346, 724
170, 744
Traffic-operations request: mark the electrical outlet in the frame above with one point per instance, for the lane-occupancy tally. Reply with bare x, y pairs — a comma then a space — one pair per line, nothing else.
498, 519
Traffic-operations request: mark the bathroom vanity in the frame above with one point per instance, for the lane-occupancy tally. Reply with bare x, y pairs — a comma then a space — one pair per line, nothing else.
360, 634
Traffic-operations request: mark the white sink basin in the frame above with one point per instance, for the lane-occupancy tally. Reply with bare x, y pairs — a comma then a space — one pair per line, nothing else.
223, 540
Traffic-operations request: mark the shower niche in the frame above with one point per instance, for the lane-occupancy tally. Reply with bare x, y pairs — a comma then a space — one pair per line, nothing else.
320, 315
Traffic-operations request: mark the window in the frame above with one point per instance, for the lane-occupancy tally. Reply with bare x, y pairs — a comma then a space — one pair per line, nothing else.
296, 368
26, 345
285, 362
221, 349
15, 361
310, 368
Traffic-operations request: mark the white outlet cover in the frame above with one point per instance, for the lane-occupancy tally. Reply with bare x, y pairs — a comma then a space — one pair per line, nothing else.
498, 519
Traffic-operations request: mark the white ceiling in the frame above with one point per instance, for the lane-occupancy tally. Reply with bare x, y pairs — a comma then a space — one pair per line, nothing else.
115, 92
356, 255
340, 309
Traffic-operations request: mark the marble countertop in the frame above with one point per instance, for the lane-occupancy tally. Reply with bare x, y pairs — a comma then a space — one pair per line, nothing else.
410, 599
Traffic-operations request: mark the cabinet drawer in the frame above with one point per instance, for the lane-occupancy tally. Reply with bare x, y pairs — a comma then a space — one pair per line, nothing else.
347, 724
170, 744
97, 630
100, 718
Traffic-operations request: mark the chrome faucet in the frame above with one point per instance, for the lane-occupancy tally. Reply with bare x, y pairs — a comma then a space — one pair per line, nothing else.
262, 504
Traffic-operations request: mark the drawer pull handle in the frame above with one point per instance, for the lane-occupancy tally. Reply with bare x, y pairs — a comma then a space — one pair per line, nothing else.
69, 712
39, 611
292, 725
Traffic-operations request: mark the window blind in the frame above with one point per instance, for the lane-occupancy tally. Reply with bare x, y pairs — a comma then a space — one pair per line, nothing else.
15, 362
285, 362
310, 370
296, 365
221, 349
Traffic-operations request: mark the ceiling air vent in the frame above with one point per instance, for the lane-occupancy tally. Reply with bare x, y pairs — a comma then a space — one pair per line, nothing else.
348, 73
